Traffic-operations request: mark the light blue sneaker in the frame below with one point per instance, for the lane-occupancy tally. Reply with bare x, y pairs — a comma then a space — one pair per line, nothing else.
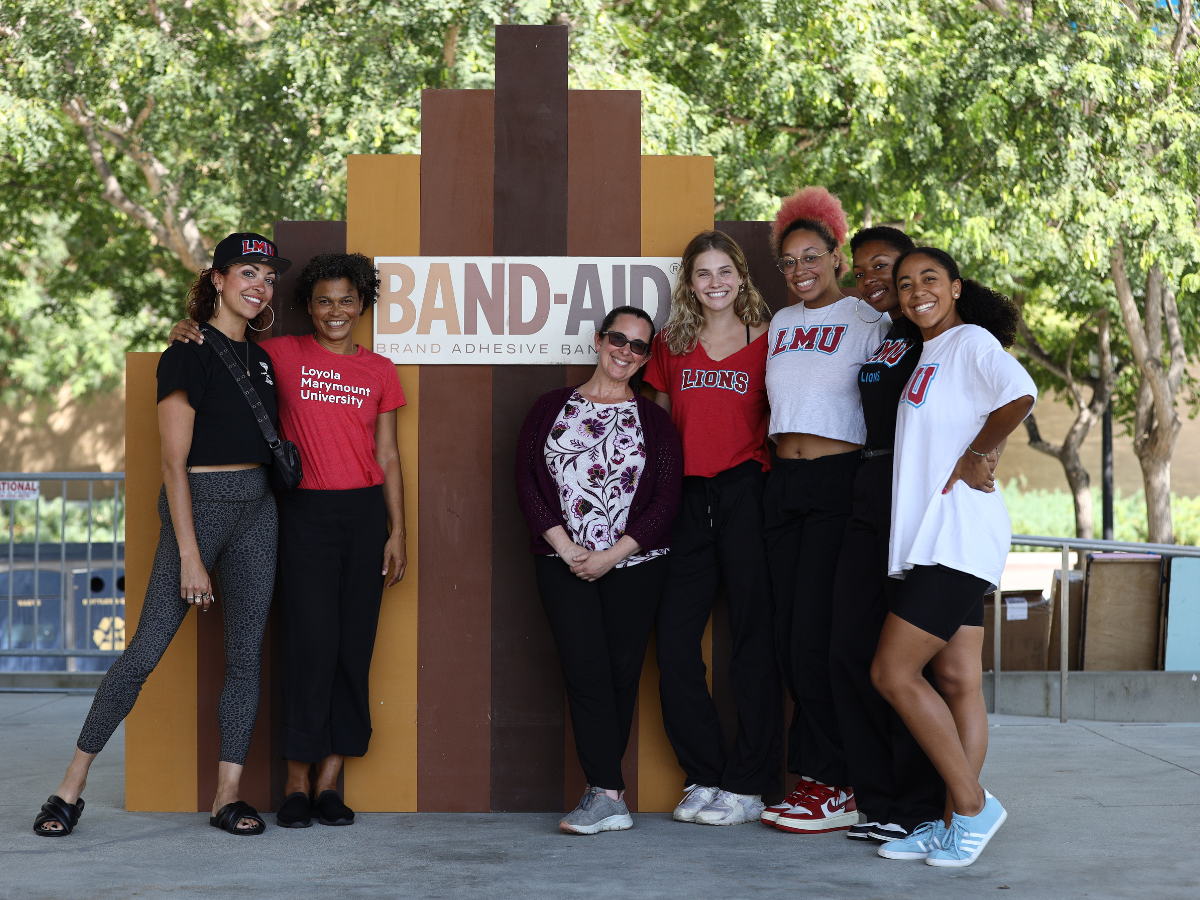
968, 835
924, 840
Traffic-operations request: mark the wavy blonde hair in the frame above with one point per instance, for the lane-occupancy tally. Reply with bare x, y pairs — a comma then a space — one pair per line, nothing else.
682, 331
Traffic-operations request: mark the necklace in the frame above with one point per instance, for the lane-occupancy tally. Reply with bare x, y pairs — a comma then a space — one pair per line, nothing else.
234, 350
804, 313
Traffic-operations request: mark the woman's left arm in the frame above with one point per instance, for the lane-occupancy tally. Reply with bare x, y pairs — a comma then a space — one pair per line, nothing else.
974, 467
387, 454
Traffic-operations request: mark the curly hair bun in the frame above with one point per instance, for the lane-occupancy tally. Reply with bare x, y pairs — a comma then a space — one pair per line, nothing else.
817, 205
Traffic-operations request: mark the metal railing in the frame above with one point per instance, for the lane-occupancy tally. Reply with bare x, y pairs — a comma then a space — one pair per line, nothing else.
81, 552
1064, 599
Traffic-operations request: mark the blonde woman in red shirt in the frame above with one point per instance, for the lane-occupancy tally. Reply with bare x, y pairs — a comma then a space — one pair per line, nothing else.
709, 368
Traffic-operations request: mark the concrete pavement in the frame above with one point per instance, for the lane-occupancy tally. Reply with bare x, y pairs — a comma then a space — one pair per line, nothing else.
1096, 810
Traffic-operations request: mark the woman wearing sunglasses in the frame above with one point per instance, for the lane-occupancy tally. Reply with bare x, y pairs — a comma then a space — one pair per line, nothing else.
598, 478
815, 350
709, 368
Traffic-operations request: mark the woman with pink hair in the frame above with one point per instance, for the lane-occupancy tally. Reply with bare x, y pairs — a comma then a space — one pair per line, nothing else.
815, 349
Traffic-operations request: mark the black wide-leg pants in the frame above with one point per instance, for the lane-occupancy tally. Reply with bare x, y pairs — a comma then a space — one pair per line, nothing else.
718, 536
330, 558
894, 781
601, 629
806, 505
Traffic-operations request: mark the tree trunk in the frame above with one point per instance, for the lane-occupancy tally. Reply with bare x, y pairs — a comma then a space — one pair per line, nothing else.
1156, 477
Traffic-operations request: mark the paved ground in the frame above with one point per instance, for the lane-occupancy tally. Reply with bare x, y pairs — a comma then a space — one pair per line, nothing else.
1095, 810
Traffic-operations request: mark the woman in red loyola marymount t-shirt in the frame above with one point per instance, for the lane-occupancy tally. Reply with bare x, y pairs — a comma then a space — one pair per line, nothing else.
709, 368
337, 402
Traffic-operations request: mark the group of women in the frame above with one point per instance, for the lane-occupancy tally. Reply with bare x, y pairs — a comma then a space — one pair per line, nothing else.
833, 468
219, 398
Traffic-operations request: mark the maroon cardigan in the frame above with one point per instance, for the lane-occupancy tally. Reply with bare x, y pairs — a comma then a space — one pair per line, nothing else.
655, 501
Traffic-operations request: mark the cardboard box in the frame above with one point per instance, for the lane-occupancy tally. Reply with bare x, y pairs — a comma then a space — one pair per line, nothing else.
1024, 631
1122, 612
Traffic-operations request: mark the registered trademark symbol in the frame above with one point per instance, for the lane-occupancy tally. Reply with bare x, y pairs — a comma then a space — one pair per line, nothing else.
674, 268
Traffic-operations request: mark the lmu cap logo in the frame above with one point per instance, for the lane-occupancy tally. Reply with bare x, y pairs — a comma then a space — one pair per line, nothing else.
263, 247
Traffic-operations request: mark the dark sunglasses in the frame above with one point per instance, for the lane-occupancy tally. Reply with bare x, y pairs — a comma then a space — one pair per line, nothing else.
641, 348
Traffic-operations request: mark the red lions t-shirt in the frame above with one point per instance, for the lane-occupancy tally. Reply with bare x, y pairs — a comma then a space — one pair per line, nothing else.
719, 408
328, 403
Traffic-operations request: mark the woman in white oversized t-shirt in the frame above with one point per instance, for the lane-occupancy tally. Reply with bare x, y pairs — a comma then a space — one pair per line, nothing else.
950, 537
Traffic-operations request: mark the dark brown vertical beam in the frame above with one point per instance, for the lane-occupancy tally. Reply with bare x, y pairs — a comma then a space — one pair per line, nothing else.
755, 241
455, 490
300, 242
530, 212
604, 190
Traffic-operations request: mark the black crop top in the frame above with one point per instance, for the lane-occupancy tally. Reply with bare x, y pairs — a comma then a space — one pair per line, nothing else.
882, 378
225, 431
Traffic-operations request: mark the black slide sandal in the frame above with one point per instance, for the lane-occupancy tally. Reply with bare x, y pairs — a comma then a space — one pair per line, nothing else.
296, 812
229, 815
56, 809
332, 810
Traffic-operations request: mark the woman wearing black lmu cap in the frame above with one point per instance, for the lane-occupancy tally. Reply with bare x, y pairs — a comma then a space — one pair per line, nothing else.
216, 509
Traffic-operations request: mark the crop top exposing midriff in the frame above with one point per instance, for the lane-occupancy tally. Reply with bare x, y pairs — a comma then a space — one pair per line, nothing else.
813, 358
225, 431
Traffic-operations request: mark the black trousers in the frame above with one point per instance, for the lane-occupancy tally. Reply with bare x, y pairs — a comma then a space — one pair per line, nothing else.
601, 629
330, 554
806, 505
717, 537
893, 779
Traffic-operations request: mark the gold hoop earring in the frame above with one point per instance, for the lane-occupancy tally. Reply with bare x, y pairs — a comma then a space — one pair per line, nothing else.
267, 328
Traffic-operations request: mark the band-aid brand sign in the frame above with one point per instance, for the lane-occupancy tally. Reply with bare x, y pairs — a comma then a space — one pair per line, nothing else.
513, 310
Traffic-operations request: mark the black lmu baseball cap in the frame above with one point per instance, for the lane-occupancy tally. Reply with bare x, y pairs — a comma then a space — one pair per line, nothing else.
246, 246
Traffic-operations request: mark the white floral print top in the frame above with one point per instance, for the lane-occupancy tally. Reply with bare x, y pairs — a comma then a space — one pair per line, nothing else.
596, 454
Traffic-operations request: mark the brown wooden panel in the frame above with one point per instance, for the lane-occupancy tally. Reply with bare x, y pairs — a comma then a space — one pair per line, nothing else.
456, 172
604, 165
454, 619
755, 241
527, 689
300, 242
530, 213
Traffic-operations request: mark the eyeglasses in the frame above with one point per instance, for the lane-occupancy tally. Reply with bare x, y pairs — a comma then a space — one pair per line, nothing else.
641, 348
787, 265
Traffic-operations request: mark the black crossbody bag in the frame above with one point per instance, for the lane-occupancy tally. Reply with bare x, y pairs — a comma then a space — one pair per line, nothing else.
285, 473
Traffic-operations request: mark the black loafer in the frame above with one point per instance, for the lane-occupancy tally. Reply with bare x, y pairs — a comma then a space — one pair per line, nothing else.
332, 810
296, 812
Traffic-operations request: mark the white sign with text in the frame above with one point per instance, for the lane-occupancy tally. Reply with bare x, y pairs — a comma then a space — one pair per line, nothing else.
510, 309
18, 490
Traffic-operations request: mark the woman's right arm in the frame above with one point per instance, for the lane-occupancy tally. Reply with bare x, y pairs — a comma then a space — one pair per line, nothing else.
186, 330
175, 420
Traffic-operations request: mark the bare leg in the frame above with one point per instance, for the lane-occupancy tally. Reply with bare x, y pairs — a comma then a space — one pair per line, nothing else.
297, 777
229, 779
903, 652
73, 783
328, 770
958, 676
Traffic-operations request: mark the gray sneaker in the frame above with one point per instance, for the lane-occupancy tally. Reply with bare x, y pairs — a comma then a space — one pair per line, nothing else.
596, 812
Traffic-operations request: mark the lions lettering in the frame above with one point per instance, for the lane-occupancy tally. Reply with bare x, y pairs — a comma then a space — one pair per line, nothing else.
724, 379
918, 385
889, 352
822, 338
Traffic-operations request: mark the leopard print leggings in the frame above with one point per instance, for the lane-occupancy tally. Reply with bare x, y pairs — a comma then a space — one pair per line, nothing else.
237, 530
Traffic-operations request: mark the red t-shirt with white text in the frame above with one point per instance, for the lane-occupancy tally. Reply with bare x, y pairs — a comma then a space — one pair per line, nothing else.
719, 408
328, 403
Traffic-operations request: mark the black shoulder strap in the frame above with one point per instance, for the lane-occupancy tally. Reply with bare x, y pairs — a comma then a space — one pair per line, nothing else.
260, 414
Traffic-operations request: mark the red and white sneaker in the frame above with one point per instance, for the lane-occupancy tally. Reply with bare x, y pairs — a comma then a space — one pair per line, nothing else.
824, 808
790, 802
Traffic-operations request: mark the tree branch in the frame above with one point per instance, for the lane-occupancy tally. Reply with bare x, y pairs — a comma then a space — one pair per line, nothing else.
164, 24
1036, 441
1183, 31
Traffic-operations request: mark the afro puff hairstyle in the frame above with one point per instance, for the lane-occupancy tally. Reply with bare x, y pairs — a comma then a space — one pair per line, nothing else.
354, 267
813, 209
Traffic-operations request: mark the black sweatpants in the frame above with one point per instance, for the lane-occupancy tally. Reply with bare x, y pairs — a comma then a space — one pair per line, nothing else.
806, 505
233, 514
893, 779
601, 629
330, 553
717, 537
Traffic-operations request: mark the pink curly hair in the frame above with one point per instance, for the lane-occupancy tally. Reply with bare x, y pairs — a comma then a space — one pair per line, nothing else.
812, 204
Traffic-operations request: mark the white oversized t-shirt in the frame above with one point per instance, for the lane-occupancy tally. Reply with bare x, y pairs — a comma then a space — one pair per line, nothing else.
963, 376
813, 358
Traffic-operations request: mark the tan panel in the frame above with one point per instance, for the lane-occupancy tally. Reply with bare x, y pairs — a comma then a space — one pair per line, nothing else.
677, 202
385, 780
383, 219
160, 733
383, 212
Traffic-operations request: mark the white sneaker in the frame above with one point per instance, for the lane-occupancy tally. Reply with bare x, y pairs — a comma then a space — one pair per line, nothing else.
695, 798
727, 808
